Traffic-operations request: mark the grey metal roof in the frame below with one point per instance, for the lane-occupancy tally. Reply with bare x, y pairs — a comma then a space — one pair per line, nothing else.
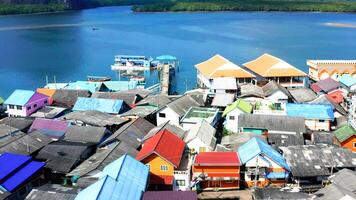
234, 141
302, 95
182, 104
334, 192
94, 118
250, 90
127, 97
285, 140
10, 138
6, 130
62, 157
102, 158
140, 111
49, 112
204, 131
272, 87
67, 98
223, 100
322, 138
166, 125
28, 144
131, 133
156, 100
17, 122
276, 193
345, 178
53, 192
85, 134
317, 160
272, 122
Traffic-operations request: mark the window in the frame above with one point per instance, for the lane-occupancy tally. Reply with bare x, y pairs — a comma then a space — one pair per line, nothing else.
148, 165
164, 168
163, 115
321, 120
202, 149
180, 182
29, 108
232, 117
253, 177
11, 106
45, 102
354, 144
19, 107
35, 105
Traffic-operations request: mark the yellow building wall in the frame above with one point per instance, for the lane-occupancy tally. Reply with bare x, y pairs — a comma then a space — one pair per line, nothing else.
155, 162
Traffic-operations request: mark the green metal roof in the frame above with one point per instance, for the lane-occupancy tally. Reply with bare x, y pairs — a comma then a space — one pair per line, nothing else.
1, 100
344, 133
240, 104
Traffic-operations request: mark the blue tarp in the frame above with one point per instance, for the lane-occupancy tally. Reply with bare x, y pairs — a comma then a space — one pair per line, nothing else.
19, 97
256, 146
347, 80
117, 86
275, 175
15, 169
125, 178
310, 111
103, 105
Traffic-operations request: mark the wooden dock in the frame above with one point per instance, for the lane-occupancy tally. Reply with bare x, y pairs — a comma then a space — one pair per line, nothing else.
165, 78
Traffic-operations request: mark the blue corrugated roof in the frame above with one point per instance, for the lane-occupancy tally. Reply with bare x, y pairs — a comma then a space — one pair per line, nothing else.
117, 86
19, 97
125, 178
347, 80
17, 169
256, 146
10, 162
22, 175
104, 105
275, 175
85, 85
310, 111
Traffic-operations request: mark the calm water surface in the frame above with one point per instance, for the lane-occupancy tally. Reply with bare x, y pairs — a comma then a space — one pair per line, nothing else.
64, 44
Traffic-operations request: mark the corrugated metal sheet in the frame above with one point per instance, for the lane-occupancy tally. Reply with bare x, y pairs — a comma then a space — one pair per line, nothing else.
85, 85
19, 97
310, 111
16, 169
255, 147
171, 195
347, 80
50, 127
125, 178
120, 85
104, 105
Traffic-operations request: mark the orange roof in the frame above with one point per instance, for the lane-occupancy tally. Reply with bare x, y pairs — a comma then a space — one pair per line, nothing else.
218, 66
271, 66
46, 91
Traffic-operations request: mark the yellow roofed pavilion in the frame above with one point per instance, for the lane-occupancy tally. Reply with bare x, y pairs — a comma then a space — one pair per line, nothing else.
271, 66
218, 66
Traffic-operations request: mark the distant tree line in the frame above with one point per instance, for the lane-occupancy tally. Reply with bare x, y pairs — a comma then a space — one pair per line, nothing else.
36, 6
249, 5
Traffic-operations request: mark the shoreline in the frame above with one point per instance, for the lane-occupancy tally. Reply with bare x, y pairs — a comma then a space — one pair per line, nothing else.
198, 11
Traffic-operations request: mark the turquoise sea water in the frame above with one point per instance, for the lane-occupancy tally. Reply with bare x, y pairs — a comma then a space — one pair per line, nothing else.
66, 46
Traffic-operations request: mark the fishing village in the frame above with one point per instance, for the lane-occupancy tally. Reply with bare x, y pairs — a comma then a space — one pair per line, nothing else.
263, 129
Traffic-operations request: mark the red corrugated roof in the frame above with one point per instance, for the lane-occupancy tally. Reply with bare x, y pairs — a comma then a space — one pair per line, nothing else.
217, 158
336, 96
166, 145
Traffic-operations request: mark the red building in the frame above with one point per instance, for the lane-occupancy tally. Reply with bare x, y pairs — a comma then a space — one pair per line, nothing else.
217, 170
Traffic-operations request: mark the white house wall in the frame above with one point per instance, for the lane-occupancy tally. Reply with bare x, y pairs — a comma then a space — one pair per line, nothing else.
171, 116
196, 143
277, 97
232, 125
